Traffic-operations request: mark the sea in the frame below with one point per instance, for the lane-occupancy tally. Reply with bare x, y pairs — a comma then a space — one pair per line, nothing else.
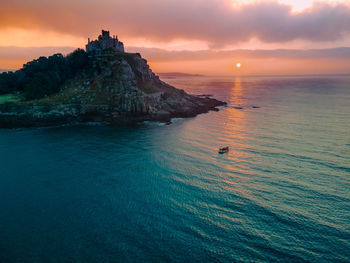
162, 193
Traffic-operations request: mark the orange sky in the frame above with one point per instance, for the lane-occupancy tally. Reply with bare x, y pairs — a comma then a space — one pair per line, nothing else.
192, 36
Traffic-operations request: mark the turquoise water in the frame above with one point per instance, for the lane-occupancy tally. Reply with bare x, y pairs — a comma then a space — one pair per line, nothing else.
158, 193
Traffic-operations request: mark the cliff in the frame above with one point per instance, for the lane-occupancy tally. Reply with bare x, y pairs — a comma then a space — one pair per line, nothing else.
120, 88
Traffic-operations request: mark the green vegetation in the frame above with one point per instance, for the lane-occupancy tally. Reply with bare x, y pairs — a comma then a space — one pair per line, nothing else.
149, 88
45, 76
9, 98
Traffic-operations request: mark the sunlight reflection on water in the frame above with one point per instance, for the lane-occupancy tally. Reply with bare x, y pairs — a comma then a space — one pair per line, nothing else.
163, 193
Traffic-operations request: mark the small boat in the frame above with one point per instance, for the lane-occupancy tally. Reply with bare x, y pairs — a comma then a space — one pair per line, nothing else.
224, 150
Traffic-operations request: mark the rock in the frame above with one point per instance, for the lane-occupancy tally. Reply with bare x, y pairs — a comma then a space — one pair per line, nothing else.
122, 89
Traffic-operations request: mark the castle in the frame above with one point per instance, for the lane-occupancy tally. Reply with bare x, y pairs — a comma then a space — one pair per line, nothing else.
105, 41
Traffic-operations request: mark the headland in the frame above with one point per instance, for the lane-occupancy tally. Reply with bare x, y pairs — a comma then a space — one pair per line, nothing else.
102, 84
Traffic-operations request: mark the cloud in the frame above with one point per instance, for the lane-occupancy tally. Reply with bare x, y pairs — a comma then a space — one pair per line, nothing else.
214, 21
155, 54
211, 62
29, 53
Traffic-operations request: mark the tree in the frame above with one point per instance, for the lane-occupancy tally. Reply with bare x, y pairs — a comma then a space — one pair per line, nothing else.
44, 76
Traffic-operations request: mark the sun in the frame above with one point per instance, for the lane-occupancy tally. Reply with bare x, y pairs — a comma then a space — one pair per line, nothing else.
238, 65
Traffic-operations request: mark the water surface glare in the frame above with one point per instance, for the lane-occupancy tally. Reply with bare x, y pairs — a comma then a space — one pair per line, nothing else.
162, 193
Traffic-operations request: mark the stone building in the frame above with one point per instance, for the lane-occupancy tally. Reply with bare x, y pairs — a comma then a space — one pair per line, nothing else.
105, 41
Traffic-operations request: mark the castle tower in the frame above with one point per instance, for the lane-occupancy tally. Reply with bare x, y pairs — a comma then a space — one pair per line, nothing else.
105, 41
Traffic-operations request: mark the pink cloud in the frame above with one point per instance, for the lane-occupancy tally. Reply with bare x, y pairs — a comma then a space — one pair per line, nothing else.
213, 21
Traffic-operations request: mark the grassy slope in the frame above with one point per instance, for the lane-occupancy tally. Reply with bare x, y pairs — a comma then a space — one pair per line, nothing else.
86, 90
9, 98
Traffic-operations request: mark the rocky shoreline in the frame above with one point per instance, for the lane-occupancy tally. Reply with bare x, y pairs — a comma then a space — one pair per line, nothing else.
120, 89
13, 116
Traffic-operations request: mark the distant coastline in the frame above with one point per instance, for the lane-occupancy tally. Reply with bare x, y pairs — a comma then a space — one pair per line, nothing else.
179, 75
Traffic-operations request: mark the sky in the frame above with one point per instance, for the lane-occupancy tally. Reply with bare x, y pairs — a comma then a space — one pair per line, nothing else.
268, 37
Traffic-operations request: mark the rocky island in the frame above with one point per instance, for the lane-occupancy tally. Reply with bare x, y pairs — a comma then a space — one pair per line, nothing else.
101, 84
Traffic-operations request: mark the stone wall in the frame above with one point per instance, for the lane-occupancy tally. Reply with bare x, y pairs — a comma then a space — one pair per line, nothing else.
105, 41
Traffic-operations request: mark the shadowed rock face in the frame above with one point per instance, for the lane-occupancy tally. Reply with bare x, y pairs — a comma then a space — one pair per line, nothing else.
120, 89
